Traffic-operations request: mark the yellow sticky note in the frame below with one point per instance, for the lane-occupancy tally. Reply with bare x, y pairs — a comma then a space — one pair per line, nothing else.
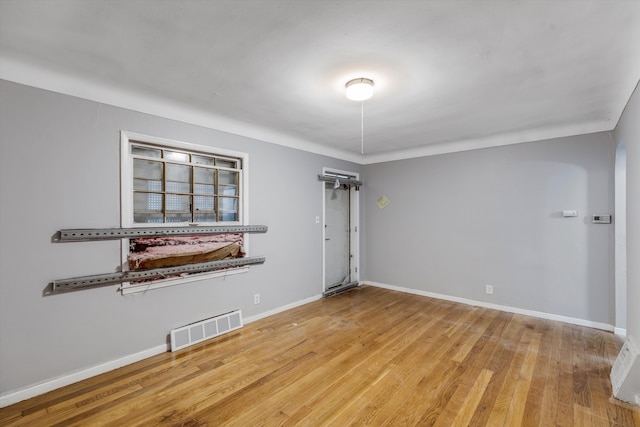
383, 201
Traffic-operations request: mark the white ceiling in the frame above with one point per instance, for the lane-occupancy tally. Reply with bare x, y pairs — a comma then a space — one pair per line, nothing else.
449, 75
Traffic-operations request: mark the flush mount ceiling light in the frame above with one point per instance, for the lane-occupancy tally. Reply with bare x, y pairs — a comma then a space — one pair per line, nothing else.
359, 89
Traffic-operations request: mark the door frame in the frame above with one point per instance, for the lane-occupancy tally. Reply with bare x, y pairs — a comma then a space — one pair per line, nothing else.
620, 247
354, 241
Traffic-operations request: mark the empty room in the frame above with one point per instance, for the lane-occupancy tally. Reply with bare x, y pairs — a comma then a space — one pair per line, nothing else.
319, 213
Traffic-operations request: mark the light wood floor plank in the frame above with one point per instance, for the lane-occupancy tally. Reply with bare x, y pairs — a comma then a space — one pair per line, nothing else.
546, 387
369, 356
504, 398
465, 412
515, 412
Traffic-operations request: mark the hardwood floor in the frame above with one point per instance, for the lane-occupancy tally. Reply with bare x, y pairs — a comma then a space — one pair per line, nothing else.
367, 356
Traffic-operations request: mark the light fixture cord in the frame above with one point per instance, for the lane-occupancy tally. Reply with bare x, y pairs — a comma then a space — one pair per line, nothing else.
362, 128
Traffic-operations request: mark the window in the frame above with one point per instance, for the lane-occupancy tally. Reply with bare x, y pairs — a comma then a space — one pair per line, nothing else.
179, 184
172, 186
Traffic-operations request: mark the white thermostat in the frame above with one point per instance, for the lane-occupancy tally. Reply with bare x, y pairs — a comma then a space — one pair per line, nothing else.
602, 219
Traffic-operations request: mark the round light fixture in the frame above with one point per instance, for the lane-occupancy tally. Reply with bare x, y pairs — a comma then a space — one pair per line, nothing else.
359, 89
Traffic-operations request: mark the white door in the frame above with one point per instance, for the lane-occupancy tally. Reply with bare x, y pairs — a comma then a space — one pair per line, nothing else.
337, 231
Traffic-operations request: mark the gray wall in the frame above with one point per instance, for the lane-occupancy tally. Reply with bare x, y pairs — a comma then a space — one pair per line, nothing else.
59, 168
457, 222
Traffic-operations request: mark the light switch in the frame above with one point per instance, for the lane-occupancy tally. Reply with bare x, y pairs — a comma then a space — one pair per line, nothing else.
569, 213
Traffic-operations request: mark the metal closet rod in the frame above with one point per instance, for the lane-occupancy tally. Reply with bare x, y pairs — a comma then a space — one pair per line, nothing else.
348, 181
93, 281
83, 234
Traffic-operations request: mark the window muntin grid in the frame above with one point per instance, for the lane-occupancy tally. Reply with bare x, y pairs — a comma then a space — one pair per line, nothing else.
177, 186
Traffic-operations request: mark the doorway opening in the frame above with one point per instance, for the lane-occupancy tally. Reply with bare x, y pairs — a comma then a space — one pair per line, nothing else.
340, 203
620, 183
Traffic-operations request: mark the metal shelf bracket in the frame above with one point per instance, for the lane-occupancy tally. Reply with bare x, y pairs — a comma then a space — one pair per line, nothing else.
85, 282
84, 234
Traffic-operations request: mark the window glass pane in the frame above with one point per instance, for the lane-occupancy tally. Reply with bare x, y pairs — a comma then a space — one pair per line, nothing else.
203, 203
228, 216
228, 190
178, 217
147, 202
176, 202
178, 178
202, 160
226, 163
205, 217
147, 175
174, 155
144, 185
147, 152
228, 203
204, 180
228, 178
145, 217
203, 189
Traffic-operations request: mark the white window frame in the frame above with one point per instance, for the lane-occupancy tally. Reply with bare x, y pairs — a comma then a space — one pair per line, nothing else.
126, 205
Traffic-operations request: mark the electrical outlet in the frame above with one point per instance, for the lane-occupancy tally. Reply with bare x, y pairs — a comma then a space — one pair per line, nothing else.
256, 299
489, 290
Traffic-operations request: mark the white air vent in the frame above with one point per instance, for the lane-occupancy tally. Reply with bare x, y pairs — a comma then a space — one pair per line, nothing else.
203, 330
623, 381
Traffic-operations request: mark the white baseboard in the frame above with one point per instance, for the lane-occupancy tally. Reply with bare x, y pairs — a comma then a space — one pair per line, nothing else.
281, 309
532, 313
620, 331
38, 389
